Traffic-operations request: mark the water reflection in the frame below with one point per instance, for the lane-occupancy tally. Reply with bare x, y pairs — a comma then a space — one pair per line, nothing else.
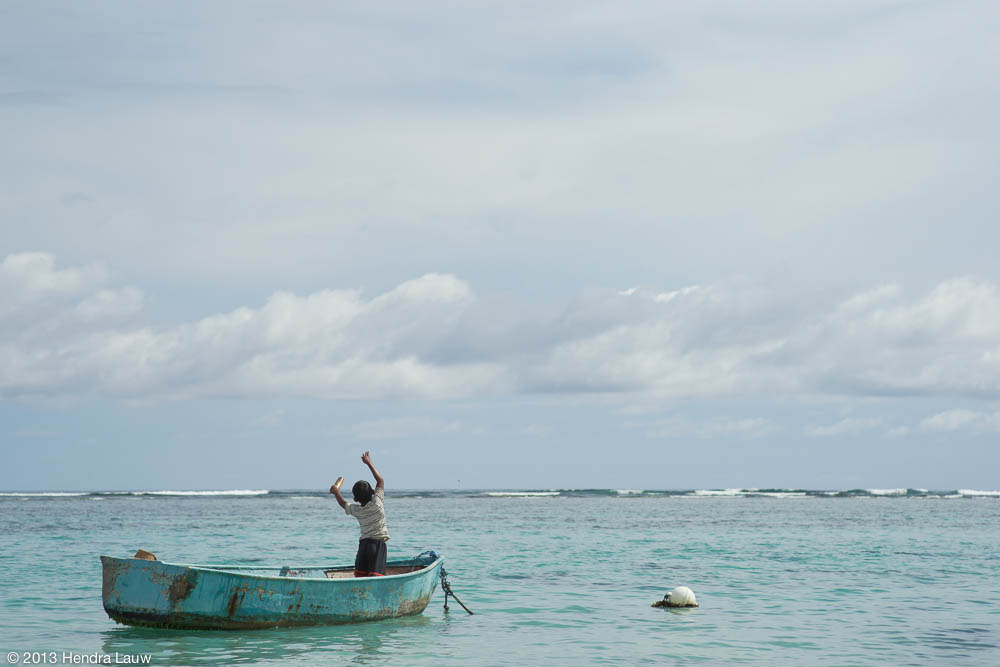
360, 643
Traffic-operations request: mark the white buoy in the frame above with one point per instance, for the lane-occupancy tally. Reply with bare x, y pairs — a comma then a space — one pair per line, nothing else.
682, 596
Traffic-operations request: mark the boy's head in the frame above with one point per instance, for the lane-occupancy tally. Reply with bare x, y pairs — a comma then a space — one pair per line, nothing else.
362, 491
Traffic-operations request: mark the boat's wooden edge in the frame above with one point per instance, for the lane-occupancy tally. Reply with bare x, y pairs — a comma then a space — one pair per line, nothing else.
203, 568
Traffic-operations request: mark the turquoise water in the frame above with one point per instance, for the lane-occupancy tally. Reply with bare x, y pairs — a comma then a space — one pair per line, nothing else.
564, 579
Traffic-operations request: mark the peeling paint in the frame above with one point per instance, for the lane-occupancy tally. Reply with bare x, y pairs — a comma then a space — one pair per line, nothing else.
181, 587
165, 595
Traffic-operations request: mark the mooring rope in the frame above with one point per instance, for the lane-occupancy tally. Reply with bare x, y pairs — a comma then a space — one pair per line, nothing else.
446, 587
428, 557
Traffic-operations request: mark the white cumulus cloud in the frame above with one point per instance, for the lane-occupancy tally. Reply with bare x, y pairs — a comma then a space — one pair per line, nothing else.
329, 343
954, 420
434, 337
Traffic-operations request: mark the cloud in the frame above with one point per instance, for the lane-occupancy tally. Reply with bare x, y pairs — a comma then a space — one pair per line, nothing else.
734, 339
109, 304
408, 427
31, 277
680, 427
328, 343
955, 420
376, 143
878, 343
848, 426
434, 337
666, 297
535, 430
269, 419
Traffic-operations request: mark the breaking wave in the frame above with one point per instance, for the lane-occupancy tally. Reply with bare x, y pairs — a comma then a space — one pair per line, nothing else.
779, 493
98, 494
521, 494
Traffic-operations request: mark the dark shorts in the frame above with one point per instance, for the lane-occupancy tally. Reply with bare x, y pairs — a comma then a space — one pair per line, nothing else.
370, 561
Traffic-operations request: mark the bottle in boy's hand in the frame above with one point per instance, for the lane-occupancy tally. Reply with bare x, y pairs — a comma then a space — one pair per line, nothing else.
336, 485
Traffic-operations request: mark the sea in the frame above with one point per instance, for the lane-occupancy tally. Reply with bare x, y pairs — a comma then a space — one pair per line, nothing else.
563, 577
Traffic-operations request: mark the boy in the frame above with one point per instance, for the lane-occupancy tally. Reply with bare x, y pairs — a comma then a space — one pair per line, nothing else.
370, 561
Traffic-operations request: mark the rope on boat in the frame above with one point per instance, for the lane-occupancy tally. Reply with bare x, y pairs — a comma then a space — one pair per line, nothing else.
428, 557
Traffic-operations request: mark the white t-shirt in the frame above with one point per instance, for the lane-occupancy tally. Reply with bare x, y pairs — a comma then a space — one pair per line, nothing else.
371, 517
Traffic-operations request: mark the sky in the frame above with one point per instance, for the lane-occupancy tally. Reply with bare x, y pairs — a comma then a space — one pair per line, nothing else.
580, 244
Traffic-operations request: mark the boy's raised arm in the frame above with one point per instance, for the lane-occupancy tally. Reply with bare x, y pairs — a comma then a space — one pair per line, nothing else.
379, 482
335, 490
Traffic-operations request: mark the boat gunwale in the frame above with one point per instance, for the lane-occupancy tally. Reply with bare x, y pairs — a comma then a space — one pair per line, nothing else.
204, 568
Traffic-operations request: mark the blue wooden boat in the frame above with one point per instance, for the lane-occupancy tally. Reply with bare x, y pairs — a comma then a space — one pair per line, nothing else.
222, 597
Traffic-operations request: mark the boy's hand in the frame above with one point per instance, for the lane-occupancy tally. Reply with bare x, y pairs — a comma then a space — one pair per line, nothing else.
379, 482
335, 490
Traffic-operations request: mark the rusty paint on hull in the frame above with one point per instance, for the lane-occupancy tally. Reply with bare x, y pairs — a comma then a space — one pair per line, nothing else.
196, 622
157, 594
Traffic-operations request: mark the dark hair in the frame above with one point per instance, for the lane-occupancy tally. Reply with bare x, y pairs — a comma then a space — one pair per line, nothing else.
362, 491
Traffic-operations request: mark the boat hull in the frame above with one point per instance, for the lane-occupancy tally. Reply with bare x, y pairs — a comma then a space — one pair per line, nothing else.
158, 594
